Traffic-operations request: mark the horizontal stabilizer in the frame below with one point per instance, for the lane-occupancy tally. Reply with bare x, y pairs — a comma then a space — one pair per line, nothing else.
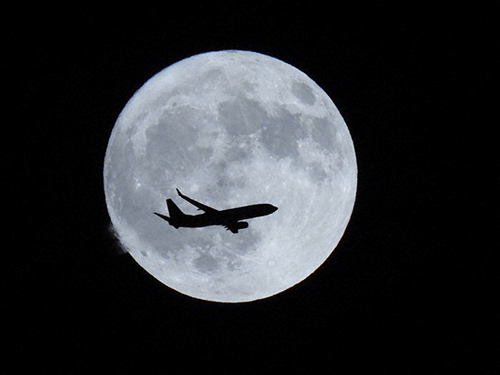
162, 216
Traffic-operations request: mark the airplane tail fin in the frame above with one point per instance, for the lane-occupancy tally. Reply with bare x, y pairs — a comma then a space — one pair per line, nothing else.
174, 211
176, 215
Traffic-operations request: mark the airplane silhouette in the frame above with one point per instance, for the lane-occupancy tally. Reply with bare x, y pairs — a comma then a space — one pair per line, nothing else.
229, 219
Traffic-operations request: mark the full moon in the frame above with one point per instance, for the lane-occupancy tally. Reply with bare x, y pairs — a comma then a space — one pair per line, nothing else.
229, 129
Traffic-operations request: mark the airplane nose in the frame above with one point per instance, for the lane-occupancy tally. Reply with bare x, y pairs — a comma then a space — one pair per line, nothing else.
273, 209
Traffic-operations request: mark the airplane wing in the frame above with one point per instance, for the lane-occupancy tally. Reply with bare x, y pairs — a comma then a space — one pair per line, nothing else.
197, 204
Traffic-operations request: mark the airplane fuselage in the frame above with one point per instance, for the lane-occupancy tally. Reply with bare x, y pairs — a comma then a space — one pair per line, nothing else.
224, 217
229, 218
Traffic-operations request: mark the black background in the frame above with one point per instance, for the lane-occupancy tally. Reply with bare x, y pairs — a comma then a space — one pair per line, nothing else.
405, 291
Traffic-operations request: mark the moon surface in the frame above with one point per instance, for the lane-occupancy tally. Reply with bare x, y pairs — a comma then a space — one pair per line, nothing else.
229, 129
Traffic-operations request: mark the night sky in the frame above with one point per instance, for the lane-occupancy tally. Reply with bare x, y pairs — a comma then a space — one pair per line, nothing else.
405, 291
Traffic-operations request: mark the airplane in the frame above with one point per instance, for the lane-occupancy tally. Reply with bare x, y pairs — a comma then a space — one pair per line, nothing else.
229, 219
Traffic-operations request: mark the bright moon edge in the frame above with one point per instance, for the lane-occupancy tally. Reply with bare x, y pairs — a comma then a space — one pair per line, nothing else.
240, 128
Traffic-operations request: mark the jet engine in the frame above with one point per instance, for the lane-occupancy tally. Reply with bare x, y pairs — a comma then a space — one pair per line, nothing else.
241, 225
